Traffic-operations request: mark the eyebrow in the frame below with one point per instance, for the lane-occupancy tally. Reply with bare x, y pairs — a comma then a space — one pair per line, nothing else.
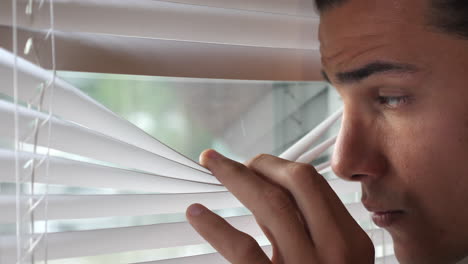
373, 68
325, 76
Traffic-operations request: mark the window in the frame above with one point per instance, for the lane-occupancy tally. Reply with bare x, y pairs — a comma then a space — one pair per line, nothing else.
75, 170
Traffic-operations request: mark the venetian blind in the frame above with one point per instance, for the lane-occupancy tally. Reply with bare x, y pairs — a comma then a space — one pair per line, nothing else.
42, 114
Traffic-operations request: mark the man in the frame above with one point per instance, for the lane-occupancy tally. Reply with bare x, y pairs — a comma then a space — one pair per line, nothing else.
401, 67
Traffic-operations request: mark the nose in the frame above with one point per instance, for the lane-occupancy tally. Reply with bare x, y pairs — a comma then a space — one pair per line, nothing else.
359, 153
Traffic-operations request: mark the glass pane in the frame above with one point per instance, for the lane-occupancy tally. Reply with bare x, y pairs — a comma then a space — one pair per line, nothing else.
238, 118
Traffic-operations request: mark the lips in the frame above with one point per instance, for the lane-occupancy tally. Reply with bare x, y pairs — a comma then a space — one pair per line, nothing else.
386, 218
382, 216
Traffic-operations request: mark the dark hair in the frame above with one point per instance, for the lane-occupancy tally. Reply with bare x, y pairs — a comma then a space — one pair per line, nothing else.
450, 16
324, 5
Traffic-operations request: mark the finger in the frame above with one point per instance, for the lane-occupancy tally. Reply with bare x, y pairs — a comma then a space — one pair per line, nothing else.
276, 253
273, 208
236, 246
329, 222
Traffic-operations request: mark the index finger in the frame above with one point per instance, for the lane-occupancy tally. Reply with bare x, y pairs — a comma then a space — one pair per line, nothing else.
326, 216
272, 207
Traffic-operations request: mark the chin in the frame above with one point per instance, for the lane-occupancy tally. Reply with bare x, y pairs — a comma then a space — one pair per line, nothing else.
405, 256
415, 255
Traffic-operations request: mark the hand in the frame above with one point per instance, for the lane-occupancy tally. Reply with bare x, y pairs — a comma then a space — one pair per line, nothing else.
295, 207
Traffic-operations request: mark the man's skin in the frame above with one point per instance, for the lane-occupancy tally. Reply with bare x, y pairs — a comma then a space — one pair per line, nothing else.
404, 137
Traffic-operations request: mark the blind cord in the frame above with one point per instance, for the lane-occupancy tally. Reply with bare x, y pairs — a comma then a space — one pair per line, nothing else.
16, 128
52, 86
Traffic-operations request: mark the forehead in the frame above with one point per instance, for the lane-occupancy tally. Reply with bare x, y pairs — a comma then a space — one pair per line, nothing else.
359, 27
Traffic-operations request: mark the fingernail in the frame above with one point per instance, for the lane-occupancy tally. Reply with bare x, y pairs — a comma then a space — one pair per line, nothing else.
212, 154
195, 210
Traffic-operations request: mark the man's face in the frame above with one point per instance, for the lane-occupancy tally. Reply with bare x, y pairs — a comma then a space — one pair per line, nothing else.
404, 132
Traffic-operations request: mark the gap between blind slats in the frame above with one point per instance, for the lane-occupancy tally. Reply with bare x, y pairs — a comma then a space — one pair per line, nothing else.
72, 104
176, 21
82, 174
112, 240
97, 146
159, 57
261, 136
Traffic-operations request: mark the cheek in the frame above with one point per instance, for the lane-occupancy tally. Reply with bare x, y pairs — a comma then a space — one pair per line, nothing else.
430, 158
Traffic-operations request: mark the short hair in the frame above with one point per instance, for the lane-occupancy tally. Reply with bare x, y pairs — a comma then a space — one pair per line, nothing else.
324, 5
449, 16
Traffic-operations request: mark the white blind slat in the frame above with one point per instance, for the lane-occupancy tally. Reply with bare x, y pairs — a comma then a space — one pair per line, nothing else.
387, 260
198, 259
177, 21
97, 146
73, 105
82, 174
202, 259
302, 145
95, 206
106, 241
344, 187
314, 153
286, 7
218, 259
162, 57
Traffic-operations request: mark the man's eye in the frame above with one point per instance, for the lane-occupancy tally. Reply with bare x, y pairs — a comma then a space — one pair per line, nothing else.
393, 101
